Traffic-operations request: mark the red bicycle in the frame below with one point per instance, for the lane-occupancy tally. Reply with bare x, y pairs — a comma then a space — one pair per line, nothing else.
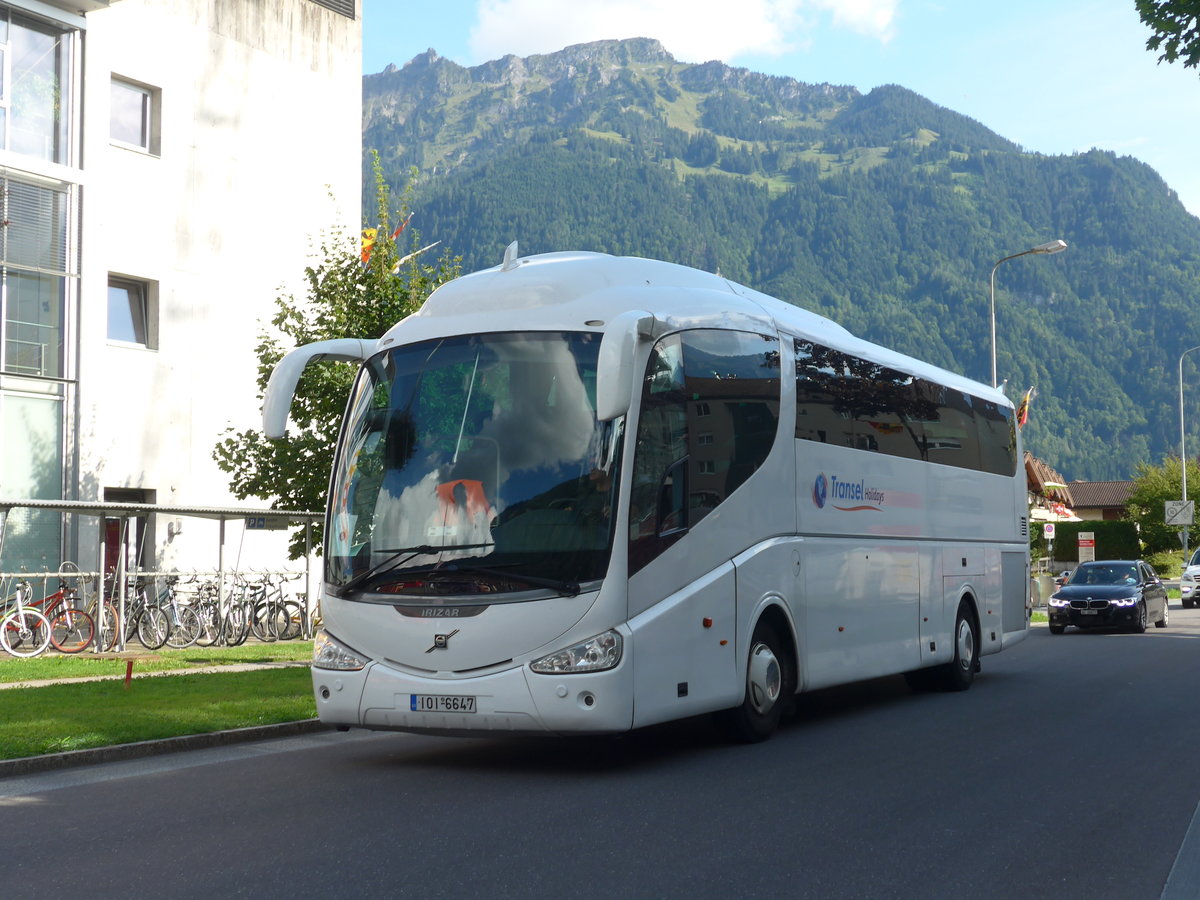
71, 629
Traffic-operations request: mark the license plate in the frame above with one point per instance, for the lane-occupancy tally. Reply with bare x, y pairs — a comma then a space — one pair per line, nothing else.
451, 703
1089, 612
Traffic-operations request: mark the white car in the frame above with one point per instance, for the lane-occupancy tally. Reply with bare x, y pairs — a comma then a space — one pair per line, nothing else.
1189, 581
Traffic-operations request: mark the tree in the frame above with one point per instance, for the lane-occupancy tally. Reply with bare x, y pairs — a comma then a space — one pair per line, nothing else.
1152, 488
345, 297
1176, 27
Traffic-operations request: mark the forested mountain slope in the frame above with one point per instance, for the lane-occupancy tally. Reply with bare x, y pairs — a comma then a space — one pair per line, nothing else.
883, 211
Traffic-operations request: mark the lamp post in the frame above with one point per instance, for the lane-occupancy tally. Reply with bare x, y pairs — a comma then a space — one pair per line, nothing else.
1183, 443
1049, 247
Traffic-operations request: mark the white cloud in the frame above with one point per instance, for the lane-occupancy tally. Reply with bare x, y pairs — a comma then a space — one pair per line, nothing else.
691, 30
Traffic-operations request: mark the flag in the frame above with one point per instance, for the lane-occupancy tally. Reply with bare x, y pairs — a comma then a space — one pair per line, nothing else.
371, 235
400, 227
368, 242
1023, 407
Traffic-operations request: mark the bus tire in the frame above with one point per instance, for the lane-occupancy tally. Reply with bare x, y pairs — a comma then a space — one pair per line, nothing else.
770, 677
958, 674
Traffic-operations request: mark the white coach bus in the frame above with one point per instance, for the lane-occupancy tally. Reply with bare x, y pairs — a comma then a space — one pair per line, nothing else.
581, 493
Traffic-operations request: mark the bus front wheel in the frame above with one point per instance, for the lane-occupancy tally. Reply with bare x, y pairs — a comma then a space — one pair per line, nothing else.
958, 674
769, 680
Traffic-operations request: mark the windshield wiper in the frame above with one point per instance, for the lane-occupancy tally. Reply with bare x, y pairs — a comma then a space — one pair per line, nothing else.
394, 561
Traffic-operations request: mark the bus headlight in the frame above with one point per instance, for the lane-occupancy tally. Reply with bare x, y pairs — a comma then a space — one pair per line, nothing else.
331, 654
593, 655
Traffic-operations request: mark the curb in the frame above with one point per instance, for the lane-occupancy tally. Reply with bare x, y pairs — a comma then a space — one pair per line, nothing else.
51, 762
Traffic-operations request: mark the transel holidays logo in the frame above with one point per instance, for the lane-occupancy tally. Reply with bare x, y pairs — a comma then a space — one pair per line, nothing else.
820, 490
854, 496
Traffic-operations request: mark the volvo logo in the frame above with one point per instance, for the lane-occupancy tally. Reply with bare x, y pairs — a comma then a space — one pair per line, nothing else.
440, 641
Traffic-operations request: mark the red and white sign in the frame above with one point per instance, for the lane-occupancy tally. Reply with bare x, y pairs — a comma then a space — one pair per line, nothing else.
1087, 546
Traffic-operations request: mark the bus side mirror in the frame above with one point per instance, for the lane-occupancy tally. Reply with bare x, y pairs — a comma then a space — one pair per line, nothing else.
615, 372
282, 384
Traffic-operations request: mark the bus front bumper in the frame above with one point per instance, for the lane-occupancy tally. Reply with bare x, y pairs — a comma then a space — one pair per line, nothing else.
514, 701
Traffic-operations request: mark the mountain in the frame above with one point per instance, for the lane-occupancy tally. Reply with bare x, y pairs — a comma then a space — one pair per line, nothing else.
884, 211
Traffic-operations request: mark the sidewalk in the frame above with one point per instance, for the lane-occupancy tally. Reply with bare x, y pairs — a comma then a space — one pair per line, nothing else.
230, 667
50, 762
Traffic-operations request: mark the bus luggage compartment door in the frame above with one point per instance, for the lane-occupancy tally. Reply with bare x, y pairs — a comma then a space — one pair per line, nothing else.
684, 651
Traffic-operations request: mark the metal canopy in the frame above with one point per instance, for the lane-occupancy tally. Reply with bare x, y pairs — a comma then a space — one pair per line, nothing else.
100, 508
126, 511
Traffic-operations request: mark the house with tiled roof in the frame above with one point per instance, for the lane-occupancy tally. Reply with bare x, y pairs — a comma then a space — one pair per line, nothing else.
1100, 500
1050, 500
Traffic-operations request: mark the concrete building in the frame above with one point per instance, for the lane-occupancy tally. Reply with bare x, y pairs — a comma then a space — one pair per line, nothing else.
166, 168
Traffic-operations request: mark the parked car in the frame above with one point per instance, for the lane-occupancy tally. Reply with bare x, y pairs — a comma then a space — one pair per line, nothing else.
1107, 593
1189, 581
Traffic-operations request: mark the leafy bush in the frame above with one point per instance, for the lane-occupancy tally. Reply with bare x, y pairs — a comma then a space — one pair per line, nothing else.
1114, 540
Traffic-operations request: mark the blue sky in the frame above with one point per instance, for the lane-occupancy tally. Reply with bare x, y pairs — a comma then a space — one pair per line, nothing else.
1054, 77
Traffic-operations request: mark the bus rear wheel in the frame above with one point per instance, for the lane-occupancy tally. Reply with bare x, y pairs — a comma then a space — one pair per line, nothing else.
769, 683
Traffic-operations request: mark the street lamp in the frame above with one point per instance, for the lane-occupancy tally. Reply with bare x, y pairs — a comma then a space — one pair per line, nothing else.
1049, 247
1182, 442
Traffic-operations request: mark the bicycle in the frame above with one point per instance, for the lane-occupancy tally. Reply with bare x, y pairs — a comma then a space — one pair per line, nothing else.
71, 628
143, 619
270, 619
24, 631
206, 604
184, 624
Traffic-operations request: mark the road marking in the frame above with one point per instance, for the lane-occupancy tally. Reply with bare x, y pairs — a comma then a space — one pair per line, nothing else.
1184, 881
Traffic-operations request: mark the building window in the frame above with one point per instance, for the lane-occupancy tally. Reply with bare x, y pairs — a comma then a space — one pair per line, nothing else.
134, 115
31, 468
132, 317
35, 66
35, 265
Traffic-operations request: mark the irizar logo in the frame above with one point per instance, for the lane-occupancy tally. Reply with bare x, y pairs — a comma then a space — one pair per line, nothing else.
855, 496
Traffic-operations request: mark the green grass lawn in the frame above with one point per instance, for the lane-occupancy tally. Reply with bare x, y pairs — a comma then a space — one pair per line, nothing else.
84, 715
60, 717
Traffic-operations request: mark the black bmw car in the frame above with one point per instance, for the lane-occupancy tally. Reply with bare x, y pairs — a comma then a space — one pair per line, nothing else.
1112, 592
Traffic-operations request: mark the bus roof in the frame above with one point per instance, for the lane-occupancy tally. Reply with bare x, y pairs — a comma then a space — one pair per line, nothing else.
581, 291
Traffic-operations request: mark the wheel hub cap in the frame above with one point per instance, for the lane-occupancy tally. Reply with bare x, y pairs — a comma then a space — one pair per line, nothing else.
764, 680
966, 645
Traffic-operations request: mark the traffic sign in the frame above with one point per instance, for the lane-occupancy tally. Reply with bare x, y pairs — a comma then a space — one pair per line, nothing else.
269, 523
1180, 512
1048, 531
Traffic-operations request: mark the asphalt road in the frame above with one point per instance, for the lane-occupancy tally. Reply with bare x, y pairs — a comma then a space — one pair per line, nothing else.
1067, 771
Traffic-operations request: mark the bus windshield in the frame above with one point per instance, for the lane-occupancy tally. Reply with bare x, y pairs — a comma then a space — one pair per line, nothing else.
474, 465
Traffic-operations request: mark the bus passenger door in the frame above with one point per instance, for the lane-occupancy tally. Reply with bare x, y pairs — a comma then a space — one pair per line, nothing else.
684, 651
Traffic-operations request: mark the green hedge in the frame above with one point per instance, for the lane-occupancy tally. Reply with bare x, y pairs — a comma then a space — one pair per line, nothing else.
1114, 540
